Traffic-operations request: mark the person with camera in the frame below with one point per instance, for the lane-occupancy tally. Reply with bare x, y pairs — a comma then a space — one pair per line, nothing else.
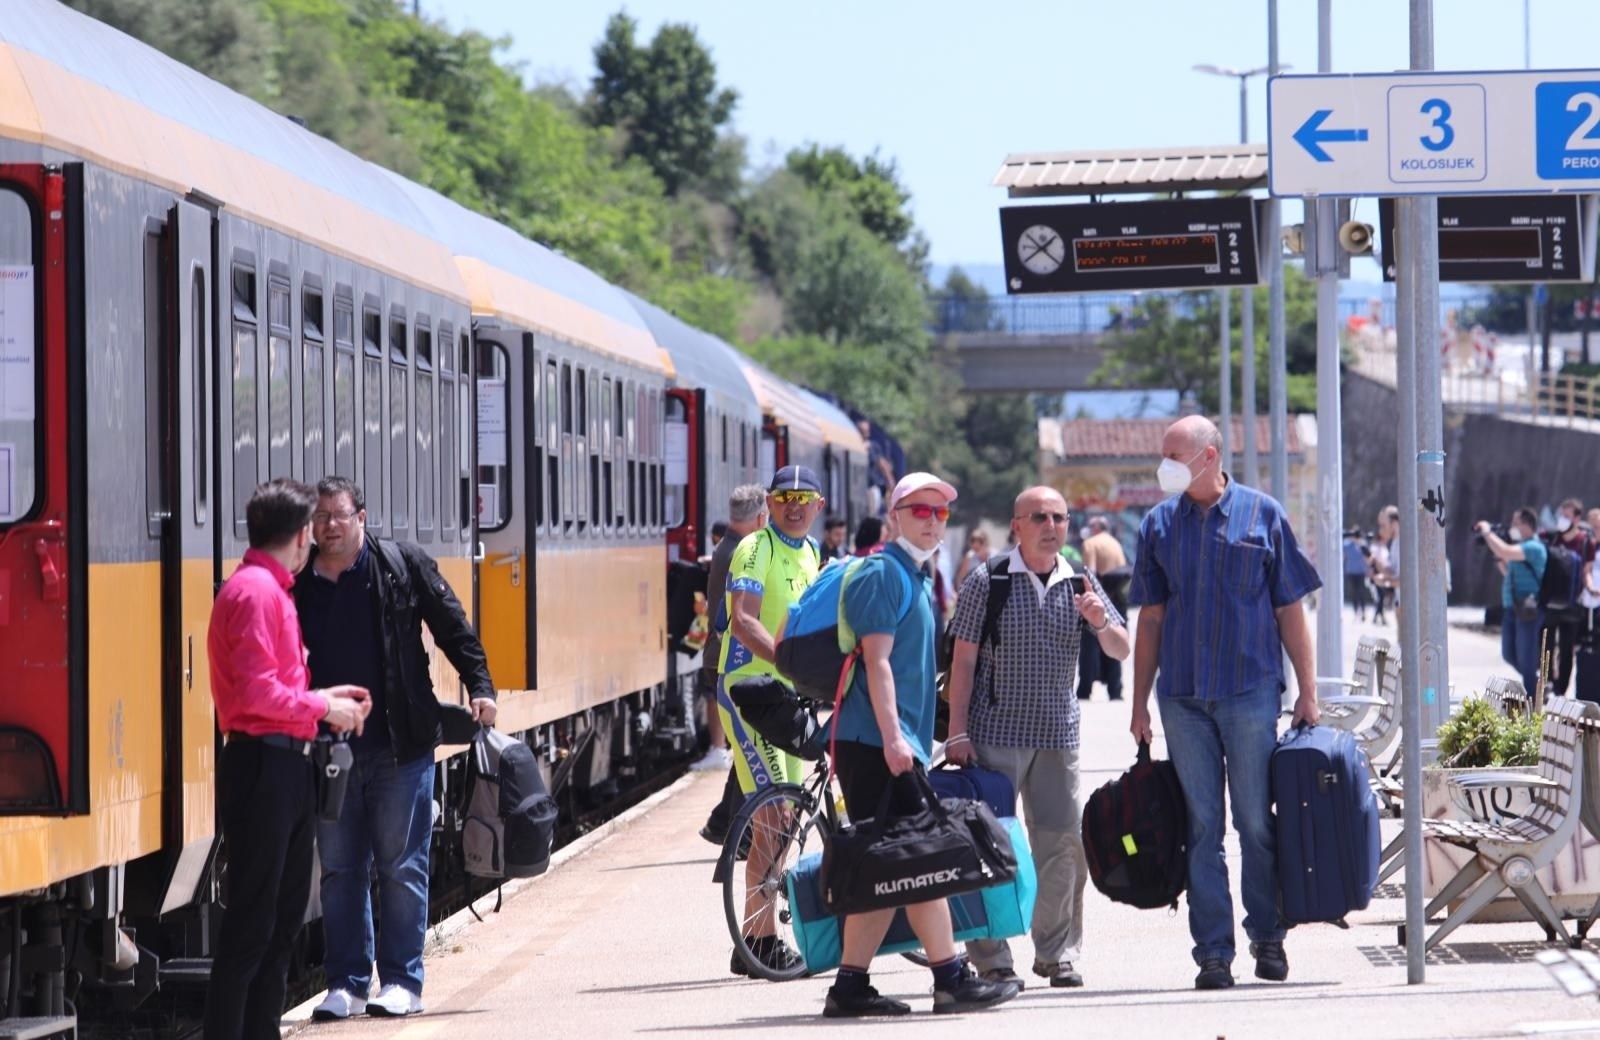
1521, 557
883, 730
266, 787
362, 607
1570, 546
1013, 709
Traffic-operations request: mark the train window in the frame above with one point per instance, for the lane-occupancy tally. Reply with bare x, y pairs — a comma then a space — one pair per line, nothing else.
607, 496
494, 473
447, 429
202, 398
464, 440
657, 430
552, 447
724, 438
744, 444
311, 376
619, 462
631, 438
567, 510
280, 436
580, 445
246, 464
156, 331
399, 423
311, 317
594, 451
372, 398
677, 462
424, 432
344, 389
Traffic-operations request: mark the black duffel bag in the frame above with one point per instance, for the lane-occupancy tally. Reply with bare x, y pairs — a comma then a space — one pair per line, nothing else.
951, 846
771, 707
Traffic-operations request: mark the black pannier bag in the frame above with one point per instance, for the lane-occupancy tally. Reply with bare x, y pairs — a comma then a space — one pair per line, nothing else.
1136, 835
510, 819
771, 708
950, 847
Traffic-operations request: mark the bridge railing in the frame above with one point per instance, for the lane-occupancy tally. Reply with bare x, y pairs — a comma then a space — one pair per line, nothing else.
1025, 315
1546, 397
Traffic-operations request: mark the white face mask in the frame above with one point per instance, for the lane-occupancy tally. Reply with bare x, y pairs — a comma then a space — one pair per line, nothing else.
1564, 524
1174, 476
1517, 535
918, 555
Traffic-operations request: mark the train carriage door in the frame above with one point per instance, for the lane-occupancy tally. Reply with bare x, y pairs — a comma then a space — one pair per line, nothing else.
505, 416
774, 449
684, 476
43, 553
180, 515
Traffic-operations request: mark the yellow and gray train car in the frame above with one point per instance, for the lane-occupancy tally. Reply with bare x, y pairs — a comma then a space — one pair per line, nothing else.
196, 295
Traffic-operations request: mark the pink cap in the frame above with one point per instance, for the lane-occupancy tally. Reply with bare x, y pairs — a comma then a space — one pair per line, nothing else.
911, 483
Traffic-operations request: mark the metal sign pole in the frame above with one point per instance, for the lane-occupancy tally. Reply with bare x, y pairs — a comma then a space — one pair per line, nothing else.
1247, 386
1277, 363
1225, 378
1330, 453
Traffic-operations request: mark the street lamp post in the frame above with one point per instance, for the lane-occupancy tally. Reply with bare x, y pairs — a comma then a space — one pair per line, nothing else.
1247, 312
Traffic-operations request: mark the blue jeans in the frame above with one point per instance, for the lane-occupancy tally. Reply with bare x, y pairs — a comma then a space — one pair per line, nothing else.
386, 822
1204, 738
1519, 646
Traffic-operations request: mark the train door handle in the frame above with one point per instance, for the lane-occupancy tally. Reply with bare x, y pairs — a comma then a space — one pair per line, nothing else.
513, 559
50, 553
188, 671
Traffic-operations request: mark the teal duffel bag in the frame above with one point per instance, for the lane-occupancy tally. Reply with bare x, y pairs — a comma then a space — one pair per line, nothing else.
998, 912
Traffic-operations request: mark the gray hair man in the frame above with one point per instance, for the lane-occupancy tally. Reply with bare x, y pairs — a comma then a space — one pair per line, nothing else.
1012, 709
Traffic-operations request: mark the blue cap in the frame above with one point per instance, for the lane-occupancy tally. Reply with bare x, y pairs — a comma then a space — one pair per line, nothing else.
796, 478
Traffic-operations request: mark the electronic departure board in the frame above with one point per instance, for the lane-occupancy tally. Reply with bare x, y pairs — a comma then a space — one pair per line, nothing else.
1121, 246
1499, 238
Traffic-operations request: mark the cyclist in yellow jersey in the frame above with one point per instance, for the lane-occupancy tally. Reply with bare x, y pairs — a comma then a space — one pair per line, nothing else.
769, 571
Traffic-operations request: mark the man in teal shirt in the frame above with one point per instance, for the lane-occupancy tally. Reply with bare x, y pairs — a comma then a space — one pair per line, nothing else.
883, 729
1521, 558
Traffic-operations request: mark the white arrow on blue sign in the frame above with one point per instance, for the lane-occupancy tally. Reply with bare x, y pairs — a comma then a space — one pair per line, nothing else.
1434, 133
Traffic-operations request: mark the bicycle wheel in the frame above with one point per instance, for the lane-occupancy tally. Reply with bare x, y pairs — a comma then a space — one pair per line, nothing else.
781, 824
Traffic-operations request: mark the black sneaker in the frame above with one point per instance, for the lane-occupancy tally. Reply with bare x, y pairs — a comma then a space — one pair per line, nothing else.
774, 953
737, 965
867, 1003
971, 993
1062, 974
1214, 974
1272, 963
712, 835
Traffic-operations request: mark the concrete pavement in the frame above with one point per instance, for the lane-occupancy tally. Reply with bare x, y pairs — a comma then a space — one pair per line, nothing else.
628, 939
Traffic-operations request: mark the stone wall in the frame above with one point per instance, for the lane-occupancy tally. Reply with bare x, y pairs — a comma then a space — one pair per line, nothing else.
1492, 465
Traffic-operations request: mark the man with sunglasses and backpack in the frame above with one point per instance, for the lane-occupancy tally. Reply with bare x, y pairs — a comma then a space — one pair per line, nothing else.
883, 730
1019, 625
770, 568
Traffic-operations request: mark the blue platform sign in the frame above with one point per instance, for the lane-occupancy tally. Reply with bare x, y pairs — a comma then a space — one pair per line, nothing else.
1434, 133
1567, 129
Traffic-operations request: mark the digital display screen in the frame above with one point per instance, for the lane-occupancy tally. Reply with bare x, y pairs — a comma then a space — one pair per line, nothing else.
1146, 251
1497, 238
1468, 244
1129, 246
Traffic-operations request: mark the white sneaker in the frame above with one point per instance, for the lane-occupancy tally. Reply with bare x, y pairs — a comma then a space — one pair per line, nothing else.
338, 1004
716, 758
395, 1001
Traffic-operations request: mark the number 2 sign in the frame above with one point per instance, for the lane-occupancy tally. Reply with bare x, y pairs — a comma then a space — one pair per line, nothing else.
1567, 120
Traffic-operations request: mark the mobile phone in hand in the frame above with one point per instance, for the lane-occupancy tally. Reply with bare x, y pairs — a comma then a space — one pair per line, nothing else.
1078, 584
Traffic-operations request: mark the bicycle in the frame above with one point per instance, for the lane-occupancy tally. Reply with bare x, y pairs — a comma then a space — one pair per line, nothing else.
772, 830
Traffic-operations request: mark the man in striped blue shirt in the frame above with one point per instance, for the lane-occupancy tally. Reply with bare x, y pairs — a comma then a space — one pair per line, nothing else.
1218, 581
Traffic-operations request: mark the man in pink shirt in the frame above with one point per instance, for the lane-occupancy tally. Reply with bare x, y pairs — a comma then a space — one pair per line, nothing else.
266, 794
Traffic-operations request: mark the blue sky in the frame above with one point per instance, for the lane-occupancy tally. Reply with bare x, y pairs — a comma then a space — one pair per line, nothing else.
947, 89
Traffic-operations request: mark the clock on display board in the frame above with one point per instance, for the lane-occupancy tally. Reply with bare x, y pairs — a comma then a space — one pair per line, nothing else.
1041, 249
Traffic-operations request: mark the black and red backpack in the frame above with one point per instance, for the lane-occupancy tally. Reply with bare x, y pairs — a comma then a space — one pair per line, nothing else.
1135, 835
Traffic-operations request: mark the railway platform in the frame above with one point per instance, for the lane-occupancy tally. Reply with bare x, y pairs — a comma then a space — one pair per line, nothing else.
626, 937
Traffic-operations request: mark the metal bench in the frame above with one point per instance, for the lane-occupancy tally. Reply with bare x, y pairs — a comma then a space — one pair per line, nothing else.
1509, 855
1348, 709
1508, 696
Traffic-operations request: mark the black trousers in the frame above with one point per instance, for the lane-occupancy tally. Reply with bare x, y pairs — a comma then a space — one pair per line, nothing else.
266, 798
1560, 639
1095, 665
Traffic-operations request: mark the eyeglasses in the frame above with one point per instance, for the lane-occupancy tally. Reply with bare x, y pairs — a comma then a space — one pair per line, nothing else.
323, 518
922, 511
1042, 517
791, 497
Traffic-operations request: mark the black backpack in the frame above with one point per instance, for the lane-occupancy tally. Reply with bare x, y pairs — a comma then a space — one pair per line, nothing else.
1135, 835
1562, 582
999, 570
509, 823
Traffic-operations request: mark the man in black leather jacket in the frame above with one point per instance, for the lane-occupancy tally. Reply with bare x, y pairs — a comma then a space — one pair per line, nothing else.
362, 604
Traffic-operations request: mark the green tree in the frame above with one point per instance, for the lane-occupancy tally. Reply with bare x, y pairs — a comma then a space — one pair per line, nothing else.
965, 305
871, 188
663, 99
